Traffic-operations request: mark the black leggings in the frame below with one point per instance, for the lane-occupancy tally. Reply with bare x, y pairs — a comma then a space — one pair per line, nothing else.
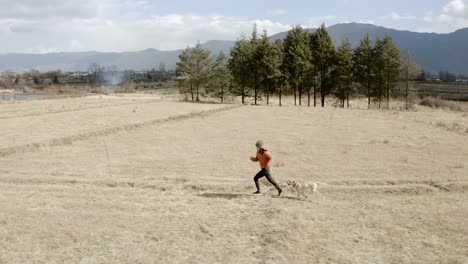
265, 172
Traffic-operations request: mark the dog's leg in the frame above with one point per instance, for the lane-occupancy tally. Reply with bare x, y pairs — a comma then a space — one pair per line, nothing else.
314, 186
302, 192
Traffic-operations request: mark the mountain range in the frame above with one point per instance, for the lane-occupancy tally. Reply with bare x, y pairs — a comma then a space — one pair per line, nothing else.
434, 52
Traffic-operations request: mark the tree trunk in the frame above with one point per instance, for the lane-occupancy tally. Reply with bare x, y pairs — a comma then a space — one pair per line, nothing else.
407, 83
243, 92
191, 90
295, 100
280, 96
255, 88
315, 96
255, 95
300, 94
368, 95
198, 99
406, 91
222, 94
388, 96
347, 93
388, 90
322, 99
380, 95
388, 86
268, 94
308, 97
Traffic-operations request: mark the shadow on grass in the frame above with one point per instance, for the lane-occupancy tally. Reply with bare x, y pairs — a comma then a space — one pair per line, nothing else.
289, 198
225, 195
240, 195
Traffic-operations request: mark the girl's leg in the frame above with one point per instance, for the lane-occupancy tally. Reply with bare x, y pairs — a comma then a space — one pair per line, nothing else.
257, 177
271, 180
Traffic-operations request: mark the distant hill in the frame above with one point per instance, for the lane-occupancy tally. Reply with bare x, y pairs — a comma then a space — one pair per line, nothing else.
435, 52
70, 61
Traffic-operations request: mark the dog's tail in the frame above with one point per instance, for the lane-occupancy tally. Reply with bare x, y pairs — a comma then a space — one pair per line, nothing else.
321, 183
315, 186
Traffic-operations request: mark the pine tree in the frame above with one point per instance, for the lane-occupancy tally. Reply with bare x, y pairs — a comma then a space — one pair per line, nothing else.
345, 72
387, 67
255, 62
297, 58
185, 72
379, 70
261, 54
410, 71
193, 70
270, 59
238, 65
276, 73
202, 65
220, 77
392, 62
324, 60
364, 67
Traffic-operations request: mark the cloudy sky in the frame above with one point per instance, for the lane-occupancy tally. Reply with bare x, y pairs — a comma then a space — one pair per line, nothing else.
40, 26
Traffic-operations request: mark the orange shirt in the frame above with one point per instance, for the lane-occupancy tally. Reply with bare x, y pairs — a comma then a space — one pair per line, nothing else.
264, 159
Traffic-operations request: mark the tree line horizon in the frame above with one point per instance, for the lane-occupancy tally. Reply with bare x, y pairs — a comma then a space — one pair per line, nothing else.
303, 64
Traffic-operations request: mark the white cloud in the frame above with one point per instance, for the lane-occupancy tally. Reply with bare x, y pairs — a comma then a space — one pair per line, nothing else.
179, 30
316, 21
119, 25
369, 21
31, 9
428, 17
395, 16
40, 49
75, 44
165, 32
454, 15
456, 8
277, 12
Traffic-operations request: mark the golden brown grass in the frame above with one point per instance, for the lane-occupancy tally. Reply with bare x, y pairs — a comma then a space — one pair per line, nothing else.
178, 190
441, 103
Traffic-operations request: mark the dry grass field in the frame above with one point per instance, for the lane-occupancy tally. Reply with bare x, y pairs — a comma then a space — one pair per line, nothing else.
138, 179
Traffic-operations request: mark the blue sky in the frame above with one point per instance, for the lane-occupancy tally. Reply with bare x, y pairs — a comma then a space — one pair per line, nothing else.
34, 26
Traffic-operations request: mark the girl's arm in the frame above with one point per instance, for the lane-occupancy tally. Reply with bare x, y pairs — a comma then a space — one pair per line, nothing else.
254, 159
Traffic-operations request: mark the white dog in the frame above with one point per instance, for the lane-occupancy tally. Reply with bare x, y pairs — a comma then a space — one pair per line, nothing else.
300, 187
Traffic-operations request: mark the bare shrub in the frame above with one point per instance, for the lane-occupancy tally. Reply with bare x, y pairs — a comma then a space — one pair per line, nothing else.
98, 89
6, 84
52, 89
413, 100
441, 103
441, 124
455, 125
126, 87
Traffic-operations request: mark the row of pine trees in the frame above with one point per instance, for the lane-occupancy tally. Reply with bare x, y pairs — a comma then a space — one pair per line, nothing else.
306, 65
